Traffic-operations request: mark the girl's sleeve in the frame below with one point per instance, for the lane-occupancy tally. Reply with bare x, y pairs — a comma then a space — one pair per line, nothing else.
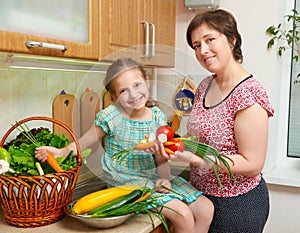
160, 116
107, 119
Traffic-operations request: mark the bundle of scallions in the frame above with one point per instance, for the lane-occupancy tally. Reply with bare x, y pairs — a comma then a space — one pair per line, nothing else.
210, 154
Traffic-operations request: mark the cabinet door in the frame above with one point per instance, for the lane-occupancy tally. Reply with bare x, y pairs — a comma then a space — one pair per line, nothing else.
127, 30
120, 28
14, 39
162, 15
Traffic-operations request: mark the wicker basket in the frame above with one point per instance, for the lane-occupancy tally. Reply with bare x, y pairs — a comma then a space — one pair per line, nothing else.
33, 201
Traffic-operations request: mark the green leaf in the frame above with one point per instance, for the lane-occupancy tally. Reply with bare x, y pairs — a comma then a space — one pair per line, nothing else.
270, 43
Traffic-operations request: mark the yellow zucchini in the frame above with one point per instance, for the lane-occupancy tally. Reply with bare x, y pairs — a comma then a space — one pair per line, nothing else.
101, 197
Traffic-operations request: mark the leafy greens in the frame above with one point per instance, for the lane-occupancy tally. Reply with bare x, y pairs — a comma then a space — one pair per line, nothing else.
22, 150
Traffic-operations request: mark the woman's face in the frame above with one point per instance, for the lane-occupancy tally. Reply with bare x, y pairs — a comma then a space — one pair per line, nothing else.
131, 90
212, 48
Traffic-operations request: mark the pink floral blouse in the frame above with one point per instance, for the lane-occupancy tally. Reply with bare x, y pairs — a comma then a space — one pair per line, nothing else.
215, 126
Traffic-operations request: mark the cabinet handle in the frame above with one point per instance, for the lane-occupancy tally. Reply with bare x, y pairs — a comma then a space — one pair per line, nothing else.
147, 39
153, 39
31, 44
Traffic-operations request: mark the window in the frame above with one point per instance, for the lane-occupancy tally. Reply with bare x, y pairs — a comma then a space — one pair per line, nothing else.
294, 108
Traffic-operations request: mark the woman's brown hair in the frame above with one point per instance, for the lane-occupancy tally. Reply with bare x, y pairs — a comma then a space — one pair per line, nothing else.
223, 22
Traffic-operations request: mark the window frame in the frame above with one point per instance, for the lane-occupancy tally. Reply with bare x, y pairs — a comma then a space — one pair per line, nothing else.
279, 168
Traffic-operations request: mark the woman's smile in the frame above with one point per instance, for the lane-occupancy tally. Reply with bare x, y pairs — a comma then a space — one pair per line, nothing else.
209, 59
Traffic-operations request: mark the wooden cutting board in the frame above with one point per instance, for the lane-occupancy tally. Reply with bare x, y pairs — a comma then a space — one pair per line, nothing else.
107, 99
89, 107
65, 109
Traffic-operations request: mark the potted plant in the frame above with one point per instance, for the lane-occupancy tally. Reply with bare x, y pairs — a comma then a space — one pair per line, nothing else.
290, 37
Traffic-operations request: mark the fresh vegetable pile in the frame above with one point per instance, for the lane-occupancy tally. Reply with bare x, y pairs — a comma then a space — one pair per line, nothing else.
117, 201
165, 135
21, 157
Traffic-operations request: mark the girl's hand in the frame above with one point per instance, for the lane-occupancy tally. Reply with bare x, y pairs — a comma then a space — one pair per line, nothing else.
41, 152
163, 182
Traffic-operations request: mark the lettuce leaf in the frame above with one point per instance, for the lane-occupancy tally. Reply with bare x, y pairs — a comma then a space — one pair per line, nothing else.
23, 156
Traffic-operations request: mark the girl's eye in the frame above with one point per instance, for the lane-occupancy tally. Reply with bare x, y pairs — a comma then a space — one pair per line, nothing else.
123, 92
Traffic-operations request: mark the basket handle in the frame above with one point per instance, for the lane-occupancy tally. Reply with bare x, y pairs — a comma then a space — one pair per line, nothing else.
35, 118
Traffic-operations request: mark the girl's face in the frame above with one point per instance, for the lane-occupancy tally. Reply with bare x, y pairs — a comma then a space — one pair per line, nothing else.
131, 90
212, 48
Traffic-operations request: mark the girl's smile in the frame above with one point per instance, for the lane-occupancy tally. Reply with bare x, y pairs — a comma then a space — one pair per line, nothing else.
136, 100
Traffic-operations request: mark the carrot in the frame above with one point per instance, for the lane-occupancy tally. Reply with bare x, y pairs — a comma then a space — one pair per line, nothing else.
121, 155
169, 151
168, 143
53, 162
144, 146
143, 198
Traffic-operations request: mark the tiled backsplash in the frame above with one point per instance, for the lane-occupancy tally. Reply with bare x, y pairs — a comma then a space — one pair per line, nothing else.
26, 92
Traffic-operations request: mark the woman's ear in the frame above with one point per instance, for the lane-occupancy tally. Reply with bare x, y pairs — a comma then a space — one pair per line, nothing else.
232, 42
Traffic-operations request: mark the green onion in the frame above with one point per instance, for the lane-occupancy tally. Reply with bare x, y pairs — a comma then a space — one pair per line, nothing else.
39, 168
205, 152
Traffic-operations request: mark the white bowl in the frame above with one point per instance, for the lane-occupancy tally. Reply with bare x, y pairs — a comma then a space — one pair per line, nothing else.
104, 222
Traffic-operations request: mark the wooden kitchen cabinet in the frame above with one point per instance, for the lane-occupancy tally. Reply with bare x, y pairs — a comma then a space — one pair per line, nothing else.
116, 28
14, 41
123, 30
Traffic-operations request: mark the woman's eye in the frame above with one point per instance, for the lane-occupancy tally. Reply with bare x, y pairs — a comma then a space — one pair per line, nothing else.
211, 39
196, 46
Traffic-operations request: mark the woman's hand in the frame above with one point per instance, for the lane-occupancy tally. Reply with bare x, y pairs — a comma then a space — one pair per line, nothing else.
41, 152
185, 156
163, 182
191, 158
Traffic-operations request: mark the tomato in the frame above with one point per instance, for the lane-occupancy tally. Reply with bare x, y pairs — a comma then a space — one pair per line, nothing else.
5, 155
174, 144
164, 133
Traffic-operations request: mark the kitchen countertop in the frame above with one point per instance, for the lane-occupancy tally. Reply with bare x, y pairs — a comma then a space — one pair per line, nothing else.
135, 224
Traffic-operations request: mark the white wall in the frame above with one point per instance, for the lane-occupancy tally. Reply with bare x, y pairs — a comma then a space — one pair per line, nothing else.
253, 17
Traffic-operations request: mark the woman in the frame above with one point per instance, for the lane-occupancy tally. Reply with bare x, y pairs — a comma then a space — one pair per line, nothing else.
230, 112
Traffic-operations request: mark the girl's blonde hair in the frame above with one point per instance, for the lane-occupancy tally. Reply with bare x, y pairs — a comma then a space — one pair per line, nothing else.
118, 67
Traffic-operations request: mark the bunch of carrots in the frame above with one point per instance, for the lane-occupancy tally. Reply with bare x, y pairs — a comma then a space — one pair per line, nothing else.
165, 135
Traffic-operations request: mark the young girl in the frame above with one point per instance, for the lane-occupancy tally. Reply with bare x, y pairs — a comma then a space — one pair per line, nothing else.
126, 123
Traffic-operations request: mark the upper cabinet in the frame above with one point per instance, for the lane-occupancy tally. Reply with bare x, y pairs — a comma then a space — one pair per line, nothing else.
91, 29
51, 27
141, 29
